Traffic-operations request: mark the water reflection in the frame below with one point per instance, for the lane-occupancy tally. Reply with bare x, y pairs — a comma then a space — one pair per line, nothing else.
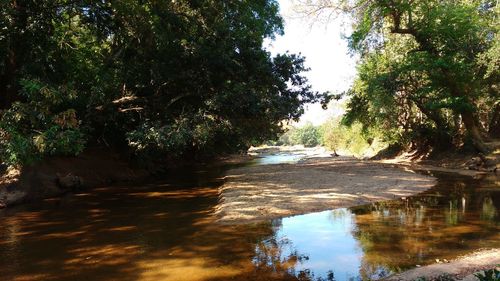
369, 242
167, 231
315, 245
280, 158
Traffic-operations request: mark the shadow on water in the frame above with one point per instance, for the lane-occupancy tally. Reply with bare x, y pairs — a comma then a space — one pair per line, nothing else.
167, 231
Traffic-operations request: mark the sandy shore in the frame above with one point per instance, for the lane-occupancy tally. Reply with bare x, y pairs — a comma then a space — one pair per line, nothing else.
263, 192
257, 193
459, 269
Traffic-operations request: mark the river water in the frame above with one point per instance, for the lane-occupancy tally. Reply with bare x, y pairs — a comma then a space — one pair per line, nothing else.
166, 230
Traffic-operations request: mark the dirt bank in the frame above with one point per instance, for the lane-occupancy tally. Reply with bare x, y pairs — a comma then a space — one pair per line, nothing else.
93, 168
59, 175
270, 191
464, 163
458, 269
456, 164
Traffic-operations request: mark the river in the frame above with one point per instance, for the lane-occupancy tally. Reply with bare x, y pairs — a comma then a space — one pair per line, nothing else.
167, 230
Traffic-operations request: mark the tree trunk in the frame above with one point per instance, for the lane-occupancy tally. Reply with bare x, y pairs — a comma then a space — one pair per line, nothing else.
8, 87
448, 81
494, 127
474, 132
443, 138
468, 117
432, 115
457, 122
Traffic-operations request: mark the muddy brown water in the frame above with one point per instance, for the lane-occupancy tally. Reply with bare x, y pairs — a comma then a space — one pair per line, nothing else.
166, 230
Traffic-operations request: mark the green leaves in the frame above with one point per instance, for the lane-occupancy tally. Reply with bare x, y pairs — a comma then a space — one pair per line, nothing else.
163, 77
423, 65
42, 126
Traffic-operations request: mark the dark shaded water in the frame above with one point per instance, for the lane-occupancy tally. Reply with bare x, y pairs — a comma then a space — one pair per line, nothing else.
167, 231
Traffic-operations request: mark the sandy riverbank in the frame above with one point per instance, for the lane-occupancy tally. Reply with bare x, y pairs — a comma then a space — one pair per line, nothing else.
259, 193
320, 182
462, 268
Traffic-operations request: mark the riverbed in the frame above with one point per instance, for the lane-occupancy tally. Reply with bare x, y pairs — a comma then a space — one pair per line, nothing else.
169, 230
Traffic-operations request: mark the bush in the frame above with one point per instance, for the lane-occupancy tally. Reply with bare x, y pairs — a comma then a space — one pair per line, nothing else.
354, 139
41, 126
307, 135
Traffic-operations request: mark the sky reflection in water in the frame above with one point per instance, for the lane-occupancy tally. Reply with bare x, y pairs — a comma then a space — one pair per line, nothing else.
325, 241
278, 159
373, 241
166, 230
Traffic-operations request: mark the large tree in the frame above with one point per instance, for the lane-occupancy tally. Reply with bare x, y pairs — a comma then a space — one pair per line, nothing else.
428, 56
170, 77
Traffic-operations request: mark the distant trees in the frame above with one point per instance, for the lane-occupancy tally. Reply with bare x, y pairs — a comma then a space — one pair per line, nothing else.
158, 78
307, 135
350, 139
335, 136
428, 73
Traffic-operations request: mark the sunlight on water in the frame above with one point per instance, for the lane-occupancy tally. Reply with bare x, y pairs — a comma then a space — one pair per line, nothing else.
167, 230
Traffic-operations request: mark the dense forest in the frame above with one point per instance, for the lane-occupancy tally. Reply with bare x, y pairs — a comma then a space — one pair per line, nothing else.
150, 78
428, 74
191, 77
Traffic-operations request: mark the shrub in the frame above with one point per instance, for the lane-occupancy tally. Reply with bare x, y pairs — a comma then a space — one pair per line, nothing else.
354, 139
308, 135
42, 125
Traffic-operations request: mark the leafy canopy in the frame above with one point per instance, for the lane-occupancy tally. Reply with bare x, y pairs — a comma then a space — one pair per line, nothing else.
157, 78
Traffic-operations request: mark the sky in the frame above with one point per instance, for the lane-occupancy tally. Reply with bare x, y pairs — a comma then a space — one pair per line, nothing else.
326, 53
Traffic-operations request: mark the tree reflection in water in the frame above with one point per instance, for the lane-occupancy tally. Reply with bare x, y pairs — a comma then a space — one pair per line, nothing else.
368, 242
166, 231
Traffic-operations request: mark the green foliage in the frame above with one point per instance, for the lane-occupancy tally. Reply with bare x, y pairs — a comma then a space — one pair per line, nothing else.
353, 139
428, 70
308, 135
42, 126
159, 78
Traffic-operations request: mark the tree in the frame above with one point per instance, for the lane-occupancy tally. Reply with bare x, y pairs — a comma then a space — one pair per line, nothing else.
429, 52
170, 78
307, 135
